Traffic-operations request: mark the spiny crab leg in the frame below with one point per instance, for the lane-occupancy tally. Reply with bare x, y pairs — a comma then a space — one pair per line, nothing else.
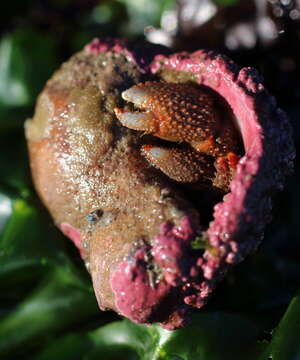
186, 114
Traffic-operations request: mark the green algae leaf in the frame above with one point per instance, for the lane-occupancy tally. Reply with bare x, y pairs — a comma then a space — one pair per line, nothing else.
211, 336
117, 340
285, 343
27, 243
14, 166
144, 13
61, 300
12, 118
138, 341
6, 209
200, 243
13, 90
72, 346
26, 61
41, 291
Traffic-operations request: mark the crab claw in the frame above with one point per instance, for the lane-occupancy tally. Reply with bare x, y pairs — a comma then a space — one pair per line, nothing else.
173, 112
136, 120
137, 95
181, 165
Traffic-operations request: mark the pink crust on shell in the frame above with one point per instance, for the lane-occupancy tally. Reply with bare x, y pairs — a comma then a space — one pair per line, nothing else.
135, 298
139, 299
74, 235
240, 219
97, 46
139, 55
169, 249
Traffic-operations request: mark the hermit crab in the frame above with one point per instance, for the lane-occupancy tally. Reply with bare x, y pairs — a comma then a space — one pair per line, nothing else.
160, 168
183, 113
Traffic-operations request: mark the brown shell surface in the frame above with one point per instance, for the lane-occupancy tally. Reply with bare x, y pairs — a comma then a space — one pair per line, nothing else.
88, 171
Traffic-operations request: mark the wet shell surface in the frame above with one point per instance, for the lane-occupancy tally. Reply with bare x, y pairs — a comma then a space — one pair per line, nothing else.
155, 247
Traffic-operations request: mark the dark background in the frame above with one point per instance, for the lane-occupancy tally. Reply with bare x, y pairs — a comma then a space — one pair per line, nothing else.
47, 306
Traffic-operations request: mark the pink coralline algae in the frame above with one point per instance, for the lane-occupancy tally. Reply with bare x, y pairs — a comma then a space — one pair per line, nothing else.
141, 247
138, 295
73, 235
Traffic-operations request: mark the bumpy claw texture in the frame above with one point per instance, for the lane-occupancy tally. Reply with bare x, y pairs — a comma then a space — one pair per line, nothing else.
184, 165
183, 113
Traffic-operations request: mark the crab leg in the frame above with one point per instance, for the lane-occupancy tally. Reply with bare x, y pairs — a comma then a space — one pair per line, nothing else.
181, 165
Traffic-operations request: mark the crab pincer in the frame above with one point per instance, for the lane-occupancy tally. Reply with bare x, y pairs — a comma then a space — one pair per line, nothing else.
188, 115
